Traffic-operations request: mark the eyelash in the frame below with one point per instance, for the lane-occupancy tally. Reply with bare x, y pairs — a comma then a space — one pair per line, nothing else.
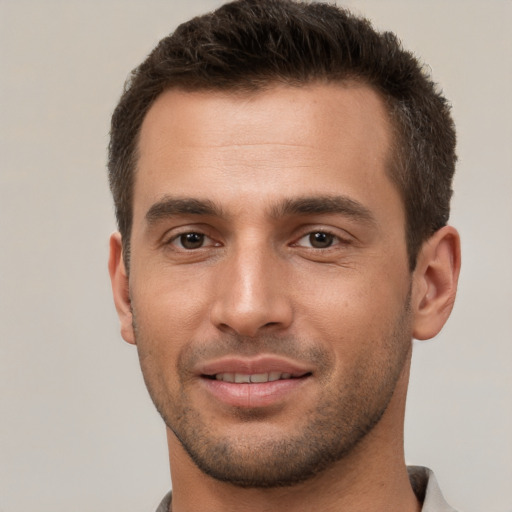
334, 240
178, 239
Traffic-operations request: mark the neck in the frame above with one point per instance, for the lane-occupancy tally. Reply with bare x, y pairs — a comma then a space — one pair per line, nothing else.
373, 477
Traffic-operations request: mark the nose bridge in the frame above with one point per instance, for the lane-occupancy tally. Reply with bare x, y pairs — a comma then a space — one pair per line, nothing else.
250, 294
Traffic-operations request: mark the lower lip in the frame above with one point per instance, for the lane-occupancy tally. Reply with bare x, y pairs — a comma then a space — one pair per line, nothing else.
253, 395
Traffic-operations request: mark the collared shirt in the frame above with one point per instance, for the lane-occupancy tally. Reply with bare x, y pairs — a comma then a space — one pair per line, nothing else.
426, 488
423, 482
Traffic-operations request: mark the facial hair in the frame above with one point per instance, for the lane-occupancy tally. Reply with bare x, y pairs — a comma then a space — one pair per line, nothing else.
343, 415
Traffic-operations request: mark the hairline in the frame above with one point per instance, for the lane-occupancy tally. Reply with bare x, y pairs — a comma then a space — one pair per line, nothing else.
247, 88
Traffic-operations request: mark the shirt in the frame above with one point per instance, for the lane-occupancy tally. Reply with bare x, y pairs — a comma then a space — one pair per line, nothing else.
423, 482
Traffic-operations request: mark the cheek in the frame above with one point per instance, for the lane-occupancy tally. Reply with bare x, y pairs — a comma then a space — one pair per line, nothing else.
353, 315
172, 302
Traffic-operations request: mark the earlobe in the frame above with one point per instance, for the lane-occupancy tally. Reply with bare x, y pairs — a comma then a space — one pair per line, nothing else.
120, 287
435, 282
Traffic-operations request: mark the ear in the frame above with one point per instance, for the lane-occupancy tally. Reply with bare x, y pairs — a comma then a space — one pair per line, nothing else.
435, 282
120, 287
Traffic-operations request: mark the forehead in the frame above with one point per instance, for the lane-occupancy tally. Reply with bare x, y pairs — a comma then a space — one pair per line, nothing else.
285, 138
330, 106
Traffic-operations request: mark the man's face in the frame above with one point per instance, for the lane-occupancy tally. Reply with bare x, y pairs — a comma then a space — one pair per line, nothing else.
269, 280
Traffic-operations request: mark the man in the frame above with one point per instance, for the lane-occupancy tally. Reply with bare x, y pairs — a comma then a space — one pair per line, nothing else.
282, 177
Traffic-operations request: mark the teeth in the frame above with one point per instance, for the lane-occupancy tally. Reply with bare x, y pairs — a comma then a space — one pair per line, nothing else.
259, 377
226, 377
241, 378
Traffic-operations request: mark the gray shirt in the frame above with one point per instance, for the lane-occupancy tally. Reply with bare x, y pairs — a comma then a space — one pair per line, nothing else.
423, 482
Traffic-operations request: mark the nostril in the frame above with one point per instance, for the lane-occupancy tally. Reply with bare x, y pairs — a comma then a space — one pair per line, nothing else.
249, 317
226, 328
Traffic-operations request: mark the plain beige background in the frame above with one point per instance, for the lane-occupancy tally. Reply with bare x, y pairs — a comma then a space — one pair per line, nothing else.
77, 430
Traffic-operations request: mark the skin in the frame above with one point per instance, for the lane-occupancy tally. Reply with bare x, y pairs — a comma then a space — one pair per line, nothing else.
295, 255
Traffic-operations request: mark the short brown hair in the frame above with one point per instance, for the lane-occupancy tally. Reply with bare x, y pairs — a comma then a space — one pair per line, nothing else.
253, 44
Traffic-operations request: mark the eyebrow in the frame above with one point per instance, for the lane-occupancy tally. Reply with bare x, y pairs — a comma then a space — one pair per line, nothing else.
321, 205
170, 206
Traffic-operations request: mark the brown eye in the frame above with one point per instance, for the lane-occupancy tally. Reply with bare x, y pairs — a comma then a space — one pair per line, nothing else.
321, 240
191, 240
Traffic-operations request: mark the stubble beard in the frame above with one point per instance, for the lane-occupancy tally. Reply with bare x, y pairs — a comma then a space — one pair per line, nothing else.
340, 419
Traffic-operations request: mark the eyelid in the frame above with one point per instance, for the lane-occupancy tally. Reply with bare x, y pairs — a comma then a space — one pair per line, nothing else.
176, 241
174, 235
342, 237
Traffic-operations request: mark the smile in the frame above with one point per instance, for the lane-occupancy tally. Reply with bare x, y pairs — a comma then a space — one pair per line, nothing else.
257, 378
260, 381
256, 383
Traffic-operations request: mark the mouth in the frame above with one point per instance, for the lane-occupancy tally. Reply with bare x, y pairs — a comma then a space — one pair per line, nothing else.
259, 382
254, 378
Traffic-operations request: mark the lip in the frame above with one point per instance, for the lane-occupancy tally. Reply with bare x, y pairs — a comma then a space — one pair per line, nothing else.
253, 395
260, 364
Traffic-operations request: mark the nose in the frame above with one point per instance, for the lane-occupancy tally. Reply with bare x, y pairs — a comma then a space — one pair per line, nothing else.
251, 295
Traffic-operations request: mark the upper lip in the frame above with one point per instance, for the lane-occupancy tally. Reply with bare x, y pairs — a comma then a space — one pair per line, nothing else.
251, 366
